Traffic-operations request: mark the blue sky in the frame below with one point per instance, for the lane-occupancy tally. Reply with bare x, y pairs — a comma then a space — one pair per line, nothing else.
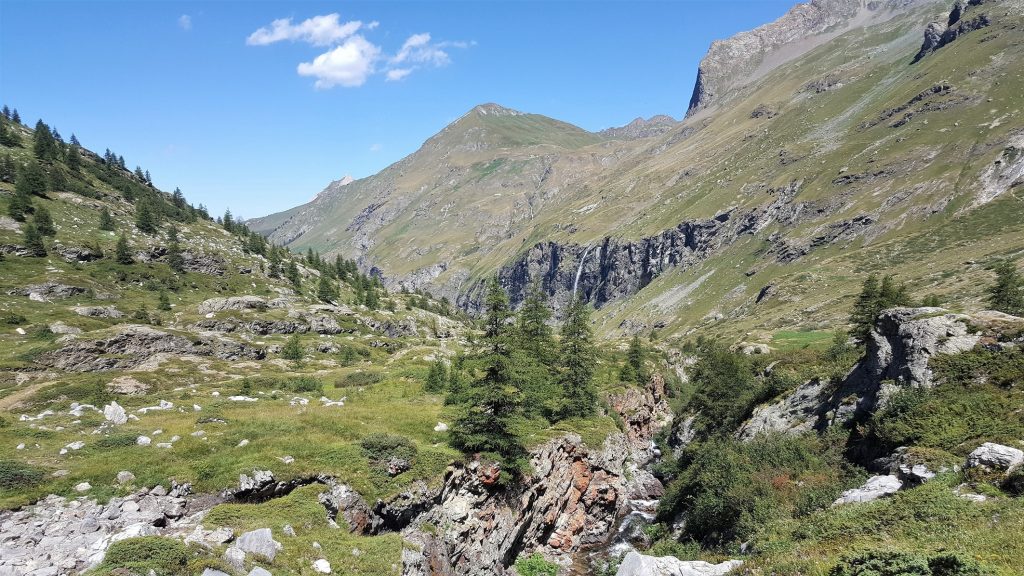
244, 112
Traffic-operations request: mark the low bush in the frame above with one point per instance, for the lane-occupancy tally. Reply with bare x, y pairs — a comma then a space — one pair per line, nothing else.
380, 448
535, 565
162, 555
899, 563
15, 475
355, 379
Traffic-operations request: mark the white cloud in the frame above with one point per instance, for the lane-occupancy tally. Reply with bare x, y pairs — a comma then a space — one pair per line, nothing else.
418, 49
351, 59
347, 65
318, 31
376, 147
185, 22
398, 73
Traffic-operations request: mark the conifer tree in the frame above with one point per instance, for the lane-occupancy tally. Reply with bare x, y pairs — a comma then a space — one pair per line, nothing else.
31, 180
33, 241
293, 275
874, 298
1007, 294
274, 268
486, 425
44, 146
326, 291
292, 349
174, 258
7, 112
74, 159
9, 135
145, 218
43, 221
577, 360
228, 221
15, 117
535, 336
635, 370
74, 140
8, 170
163, 301
437, 378
106, 221
122, 253
20, 205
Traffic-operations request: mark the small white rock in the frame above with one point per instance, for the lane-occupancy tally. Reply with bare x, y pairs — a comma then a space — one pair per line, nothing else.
322, 566
243, 443
441, 427
83, 487
143, 440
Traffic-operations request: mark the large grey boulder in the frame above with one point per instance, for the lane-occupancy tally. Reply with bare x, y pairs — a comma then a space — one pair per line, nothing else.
905, 339
98, 311
876, 487
214, 305
991, 456
260, 542
637, 564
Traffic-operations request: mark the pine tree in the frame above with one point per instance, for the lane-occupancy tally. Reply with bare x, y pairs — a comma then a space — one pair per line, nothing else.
1007, 294
122, 253
106, 221
15, 117
371, 299
8, 170
19, 206
228, 222
43, 221
293, 275
534, 334
174, 258
9, 135
31, 180
163, 302
274, 268
874, 298
44, 146
865, 309
577, 360
437, 378
486, 425
292, 349
7, 112
634, 370
145, 218
33, 241
74, 140
326, 291
74, 159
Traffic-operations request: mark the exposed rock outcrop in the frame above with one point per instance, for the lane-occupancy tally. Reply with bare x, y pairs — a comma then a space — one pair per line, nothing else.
569, 501
232, 303
966, 16
737, 61
131, 345
900, 347
641, 128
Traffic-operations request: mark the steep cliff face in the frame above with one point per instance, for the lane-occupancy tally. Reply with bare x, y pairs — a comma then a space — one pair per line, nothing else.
745, 57
570, 501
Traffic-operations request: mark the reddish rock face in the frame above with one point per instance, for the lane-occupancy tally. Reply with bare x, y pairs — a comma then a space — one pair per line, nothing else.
569, 501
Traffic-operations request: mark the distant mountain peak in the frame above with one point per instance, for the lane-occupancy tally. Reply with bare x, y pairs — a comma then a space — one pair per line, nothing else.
344, 181
492, 109
641, 128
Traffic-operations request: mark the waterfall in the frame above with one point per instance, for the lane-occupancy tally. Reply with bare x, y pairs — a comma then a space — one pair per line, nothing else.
579, 270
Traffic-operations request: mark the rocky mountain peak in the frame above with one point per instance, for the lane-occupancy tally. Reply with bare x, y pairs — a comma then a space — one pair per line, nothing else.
641, 128
741, 59
492, 109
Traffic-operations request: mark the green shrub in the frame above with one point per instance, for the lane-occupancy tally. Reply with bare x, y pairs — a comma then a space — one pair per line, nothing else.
379, 448
1014, 483
162, 555
355, 379
535, 565
898, 563
16, 476
12, 319
121, 440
